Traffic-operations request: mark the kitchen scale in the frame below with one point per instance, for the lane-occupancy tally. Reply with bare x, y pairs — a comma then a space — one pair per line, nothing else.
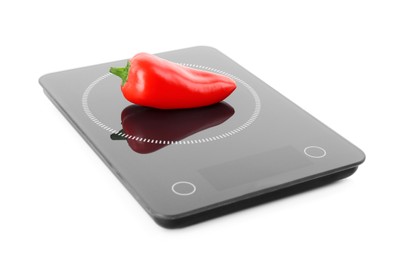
186, 166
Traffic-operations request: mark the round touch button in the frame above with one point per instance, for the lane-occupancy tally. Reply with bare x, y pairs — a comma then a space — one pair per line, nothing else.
183, 188
315, 152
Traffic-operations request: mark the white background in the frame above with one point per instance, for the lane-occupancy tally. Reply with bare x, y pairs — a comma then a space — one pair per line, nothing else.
342, 61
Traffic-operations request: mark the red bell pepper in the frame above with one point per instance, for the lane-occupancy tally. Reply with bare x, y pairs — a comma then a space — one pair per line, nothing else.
168, 125
148, 80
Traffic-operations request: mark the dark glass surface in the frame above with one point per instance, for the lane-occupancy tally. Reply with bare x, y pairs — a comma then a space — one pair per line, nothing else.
256, 139
256, 167
142, 123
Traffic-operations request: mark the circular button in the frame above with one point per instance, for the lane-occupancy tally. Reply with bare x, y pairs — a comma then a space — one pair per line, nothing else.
315, 152
183, 188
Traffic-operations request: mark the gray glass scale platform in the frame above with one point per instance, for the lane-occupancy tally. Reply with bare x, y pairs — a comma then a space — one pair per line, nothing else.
186, 166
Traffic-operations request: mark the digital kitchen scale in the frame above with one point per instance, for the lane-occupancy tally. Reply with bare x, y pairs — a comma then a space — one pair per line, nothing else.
186, 166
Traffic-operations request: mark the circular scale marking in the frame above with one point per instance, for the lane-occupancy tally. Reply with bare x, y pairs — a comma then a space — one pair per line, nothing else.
252, 118
316, 152
183, 188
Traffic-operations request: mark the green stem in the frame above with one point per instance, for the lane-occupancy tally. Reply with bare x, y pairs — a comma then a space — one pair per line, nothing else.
121, 72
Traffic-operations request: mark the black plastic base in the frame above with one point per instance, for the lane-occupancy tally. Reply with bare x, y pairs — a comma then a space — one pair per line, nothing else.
253, 201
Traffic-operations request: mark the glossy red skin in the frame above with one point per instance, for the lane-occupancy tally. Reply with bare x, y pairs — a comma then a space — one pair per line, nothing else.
158, 83
170, 125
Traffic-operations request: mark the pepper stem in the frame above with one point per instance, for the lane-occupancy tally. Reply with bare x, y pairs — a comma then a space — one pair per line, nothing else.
121, 72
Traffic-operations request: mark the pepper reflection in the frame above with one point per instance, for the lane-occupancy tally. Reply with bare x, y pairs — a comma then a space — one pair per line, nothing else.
168, 125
